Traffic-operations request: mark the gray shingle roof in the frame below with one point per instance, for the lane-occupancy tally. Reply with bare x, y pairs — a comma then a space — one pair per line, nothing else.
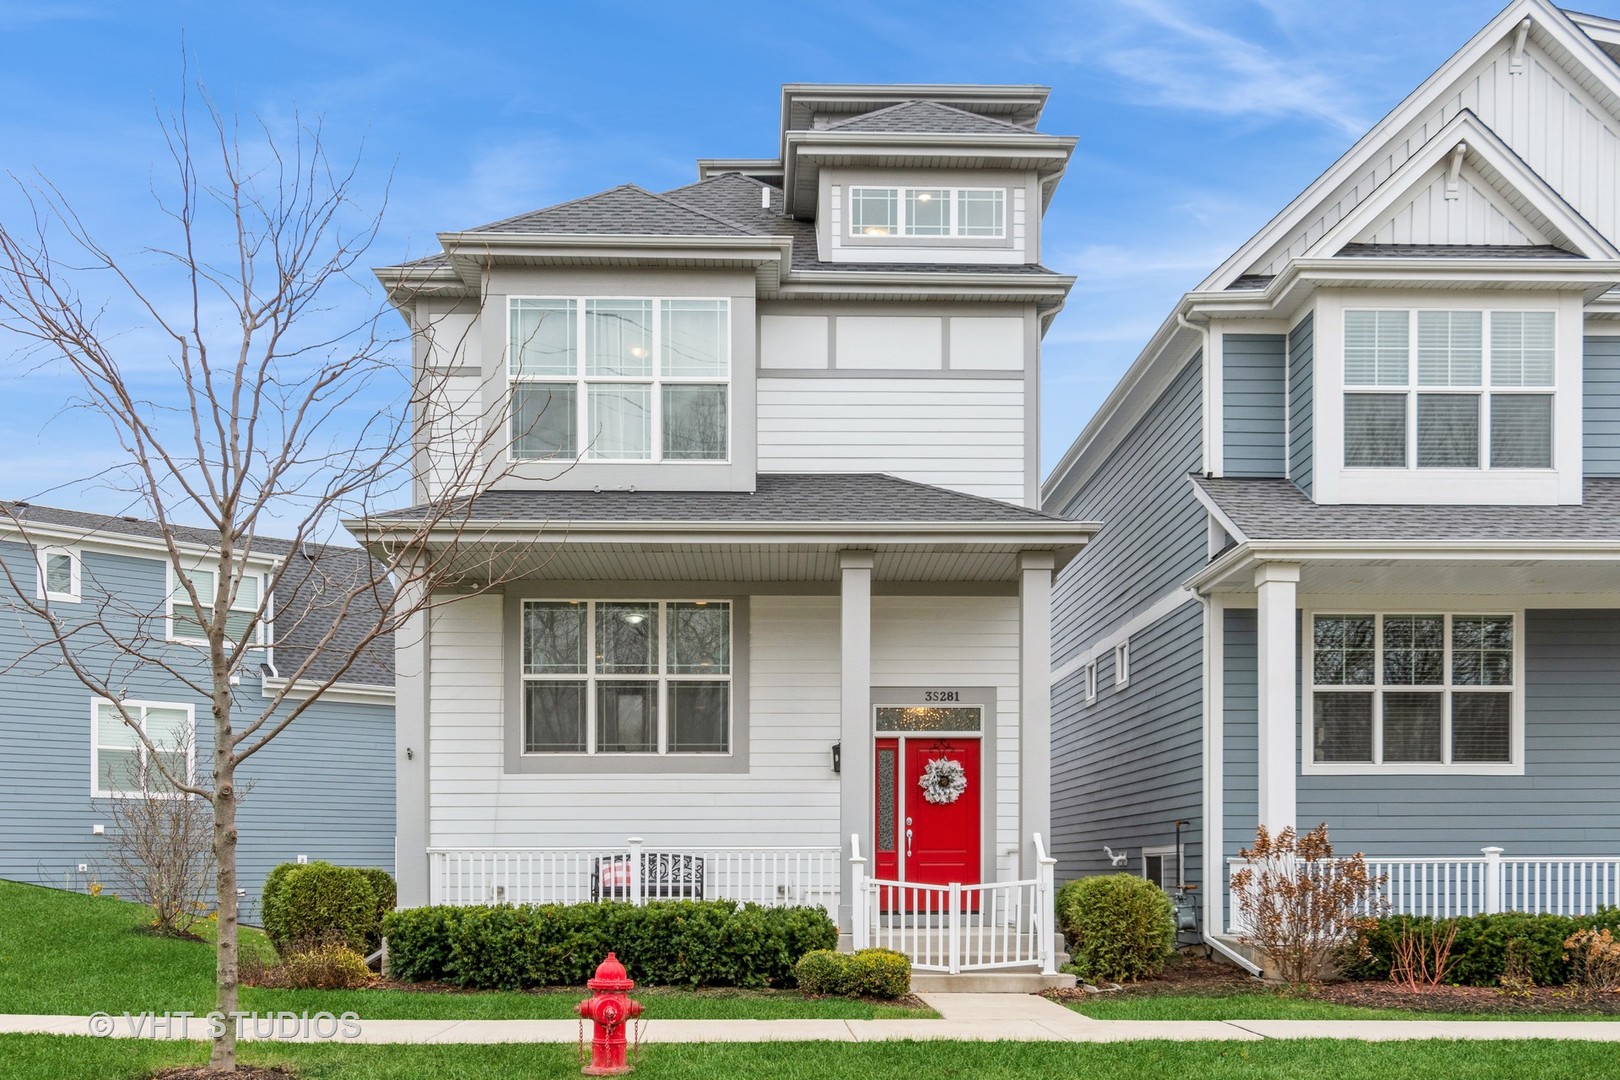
1455, 251
1270, 509
626, 210
307, 597
929, 118
789, 498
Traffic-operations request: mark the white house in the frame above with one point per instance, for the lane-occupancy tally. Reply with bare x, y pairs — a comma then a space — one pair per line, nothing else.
762, 503
1361, 555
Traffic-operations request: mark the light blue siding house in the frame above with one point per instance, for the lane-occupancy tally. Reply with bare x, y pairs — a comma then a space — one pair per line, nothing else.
323, 789
1360, 553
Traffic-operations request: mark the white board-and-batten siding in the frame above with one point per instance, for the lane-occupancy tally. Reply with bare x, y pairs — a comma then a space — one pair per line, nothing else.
788, 797
964, 434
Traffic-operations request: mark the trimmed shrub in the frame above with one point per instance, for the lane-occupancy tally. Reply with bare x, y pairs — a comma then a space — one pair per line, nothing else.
823, 972
1120, 927
879, 973
313, 902
665, 942
1481, 951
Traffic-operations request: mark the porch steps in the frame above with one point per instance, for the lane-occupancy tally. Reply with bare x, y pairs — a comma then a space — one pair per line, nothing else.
988, 982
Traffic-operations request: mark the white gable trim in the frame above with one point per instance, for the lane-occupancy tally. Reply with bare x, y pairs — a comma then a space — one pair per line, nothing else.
1543, 209
1547, 21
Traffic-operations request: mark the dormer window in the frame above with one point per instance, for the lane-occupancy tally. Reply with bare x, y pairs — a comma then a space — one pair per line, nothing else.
1480, 395
928, 212
619, 379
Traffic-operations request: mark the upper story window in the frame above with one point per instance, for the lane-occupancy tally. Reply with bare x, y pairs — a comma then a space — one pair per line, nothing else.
186, 621
121, 765
927, 212
612, 379
1478, 396
1413, 693
59, 575
626, 677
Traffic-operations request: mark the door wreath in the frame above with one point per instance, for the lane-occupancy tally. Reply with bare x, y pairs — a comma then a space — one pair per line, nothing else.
943, 781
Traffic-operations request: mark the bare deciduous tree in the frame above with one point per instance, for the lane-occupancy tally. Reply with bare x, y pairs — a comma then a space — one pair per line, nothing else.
246, 404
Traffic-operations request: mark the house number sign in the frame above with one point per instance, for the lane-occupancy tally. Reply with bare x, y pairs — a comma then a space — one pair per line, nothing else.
935, 696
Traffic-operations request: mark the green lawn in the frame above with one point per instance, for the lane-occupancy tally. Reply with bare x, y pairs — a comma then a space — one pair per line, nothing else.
48, 1057
68, 954
1271, 1006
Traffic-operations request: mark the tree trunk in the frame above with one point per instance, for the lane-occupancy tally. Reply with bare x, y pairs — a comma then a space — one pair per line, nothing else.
223, 1056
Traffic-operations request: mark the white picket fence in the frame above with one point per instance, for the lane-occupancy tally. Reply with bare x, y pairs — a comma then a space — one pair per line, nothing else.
635, 873
983, 926
1491, 882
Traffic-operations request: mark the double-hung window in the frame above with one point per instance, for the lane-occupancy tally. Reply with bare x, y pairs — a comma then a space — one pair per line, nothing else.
928, 212
626, 677
187, 621
121, 763
1432, 389
619, 379
59, 575
1423, 692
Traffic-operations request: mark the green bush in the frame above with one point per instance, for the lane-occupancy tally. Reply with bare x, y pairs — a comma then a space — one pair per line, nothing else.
880, 973
873, 973
311, 902
665, 942
1120, 927
1480, 950
387, 894
823, 972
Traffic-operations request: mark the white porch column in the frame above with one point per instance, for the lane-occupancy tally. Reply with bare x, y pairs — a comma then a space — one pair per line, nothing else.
1278, 648
411, 792
1034, 706
855, 679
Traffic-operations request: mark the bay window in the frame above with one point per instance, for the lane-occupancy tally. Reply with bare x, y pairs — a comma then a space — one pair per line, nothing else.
626, 677
1418, 692
1480, 395
615, 379
928, 211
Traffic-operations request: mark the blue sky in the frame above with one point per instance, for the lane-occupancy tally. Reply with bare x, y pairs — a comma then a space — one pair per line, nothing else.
1198, 119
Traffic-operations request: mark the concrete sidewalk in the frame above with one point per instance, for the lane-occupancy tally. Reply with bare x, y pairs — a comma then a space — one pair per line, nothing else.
967, 1017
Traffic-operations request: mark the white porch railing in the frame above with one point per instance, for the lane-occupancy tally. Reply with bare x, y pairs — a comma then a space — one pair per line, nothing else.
1447, 887
959, 927
634, 873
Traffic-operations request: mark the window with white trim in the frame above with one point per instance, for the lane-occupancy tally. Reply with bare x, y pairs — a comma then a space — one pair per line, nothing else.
1160, 867
1413, 691
187, 621
619, 379
59, 574
1091, 682
120, 763
626, 677
928, 212
1122, 664
1479, 396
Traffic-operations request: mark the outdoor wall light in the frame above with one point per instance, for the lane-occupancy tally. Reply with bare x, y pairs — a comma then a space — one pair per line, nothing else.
838, 757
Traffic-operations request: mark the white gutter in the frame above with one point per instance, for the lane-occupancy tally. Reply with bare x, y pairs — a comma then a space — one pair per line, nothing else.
1232, 954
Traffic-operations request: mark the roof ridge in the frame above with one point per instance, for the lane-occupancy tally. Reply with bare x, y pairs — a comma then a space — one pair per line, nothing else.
910, 103
544, 209
689, 207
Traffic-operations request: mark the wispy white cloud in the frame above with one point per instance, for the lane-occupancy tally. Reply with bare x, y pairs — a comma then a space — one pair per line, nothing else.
1172, 58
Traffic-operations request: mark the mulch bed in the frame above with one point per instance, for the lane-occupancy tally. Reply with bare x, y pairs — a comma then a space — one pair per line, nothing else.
243, 1072
1195, 975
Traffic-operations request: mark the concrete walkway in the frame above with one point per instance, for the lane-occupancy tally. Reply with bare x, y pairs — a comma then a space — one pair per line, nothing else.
968, 1017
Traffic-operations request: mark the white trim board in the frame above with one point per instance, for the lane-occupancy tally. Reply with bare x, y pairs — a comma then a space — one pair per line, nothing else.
1122, 632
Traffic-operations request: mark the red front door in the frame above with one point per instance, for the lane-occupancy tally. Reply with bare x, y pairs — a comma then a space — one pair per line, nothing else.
931, 843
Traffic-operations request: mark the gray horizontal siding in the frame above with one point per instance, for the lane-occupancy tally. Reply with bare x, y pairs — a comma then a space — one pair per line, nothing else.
323, 788
1565, 803
1240, 789
1127, 766
1601, 407
1254, 393
1301, 405
1153, 527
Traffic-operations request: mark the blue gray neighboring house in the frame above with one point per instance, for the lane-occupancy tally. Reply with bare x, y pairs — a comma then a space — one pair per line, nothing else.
322, 789
1359, 561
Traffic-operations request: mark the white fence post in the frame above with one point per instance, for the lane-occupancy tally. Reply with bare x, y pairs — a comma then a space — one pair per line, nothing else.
860, 932
637, 886
1046, 907
1493, 880
954, 922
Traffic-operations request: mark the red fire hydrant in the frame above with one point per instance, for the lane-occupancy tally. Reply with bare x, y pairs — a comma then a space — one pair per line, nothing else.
609, 1009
